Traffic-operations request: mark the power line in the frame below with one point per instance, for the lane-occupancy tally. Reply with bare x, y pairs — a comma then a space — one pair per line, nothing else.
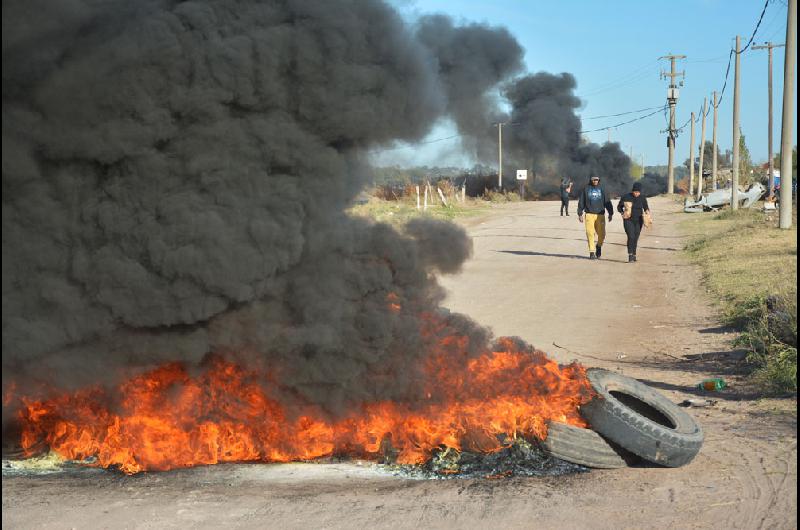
753, 36
725, 84
684, 125
732, 52
623, 113
635, 75
780, 30
711, 60
778, 20
415, 145
625, 122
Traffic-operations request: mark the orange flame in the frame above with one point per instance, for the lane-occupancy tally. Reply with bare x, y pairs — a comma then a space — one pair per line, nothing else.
168, 418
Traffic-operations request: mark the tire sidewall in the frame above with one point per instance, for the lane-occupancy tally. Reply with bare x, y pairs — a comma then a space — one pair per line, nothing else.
671, 446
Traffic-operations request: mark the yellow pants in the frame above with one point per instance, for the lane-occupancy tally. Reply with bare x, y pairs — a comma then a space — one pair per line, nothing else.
595, 224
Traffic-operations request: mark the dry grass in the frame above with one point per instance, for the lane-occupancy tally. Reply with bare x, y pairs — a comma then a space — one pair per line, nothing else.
399, 211
751, 266
743, 253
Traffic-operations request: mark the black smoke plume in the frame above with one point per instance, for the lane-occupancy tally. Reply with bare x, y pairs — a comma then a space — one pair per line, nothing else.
176, 176
471, 61
544, 136
541, 131
653, 184
174, 182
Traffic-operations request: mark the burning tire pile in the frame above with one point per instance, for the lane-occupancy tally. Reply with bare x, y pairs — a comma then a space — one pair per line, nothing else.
184, 284
628, 420
628, 423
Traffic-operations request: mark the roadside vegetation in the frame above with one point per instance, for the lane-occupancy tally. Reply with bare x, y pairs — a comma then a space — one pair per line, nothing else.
397, 212
397, 204
751, 268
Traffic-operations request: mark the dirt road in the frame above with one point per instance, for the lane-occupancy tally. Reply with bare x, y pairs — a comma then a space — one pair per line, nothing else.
528, 277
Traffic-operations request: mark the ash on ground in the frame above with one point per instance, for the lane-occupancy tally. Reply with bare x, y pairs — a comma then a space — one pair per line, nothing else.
520, 458
44, 464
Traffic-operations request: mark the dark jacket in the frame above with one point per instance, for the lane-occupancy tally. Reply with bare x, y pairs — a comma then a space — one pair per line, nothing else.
594, 199
639, 205
565, 189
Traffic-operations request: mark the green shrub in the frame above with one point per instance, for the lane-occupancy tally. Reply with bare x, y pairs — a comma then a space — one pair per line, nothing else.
770, 333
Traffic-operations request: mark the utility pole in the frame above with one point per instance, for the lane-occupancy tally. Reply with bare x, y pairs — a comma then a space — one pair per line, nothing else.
735, 163
672, 99
500, 156
608, 141
691, 159
788, 116
768, 46
702, 148
714, 147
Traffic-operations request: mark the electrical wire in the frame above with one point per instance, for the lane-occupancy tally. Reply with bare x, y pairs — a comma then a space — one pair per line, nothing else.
732, 52
635, 75
778, 21
779, 30
625, 122
711, 60
682, 127
415, 145
622, 113
753, 36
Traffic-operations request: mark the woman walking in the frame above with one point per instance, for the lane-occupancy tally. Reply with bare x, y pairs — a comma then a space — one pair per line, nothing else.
634, 208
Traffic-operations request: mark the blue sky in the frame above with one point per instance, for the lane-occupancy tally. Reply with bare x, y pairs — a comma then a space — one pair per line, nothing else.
612, 48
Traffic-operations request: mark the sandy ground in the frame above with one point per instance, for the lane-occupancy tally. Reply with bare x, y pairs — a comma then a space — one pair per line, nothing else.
528, 277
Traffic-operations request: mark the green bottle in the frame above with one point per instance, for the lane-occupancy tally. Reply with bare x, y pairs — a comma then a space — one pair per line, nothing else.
712, 385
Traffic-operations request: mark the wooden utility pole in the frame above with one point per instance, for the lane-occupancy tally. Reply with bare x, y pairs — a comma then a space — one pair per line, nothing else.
768, 46
672, 100
691, 159
735, 168
702, 148
714, 147
500, 156
788, 116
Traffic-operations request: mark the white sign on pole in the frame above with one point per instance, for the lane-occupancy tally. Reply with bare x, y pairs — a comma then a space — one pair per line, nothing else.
522, 174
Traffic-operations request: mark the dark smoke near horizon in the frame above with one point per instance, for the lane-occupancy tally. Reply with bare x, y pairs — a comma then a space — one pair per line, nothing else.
544, 136
471, 61
175, 177
542, 132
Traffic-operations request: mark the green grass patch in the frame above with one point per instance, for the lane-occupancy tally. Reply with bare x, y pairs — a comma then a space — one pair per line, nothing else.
751, 268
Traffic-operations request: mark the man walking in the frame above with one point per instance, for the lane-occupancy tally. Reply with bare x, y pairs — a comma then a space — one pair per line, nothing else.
633, 207
566, 189
594, 202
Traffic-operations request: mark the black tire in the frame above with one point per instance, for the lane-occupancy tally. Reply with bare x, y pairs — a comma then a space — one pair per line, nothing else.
641, 420
581, 446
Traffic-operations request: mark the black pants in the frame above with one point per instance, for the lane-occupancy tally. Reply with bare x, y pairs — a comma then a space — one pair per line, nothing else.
633, 227
564, 205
